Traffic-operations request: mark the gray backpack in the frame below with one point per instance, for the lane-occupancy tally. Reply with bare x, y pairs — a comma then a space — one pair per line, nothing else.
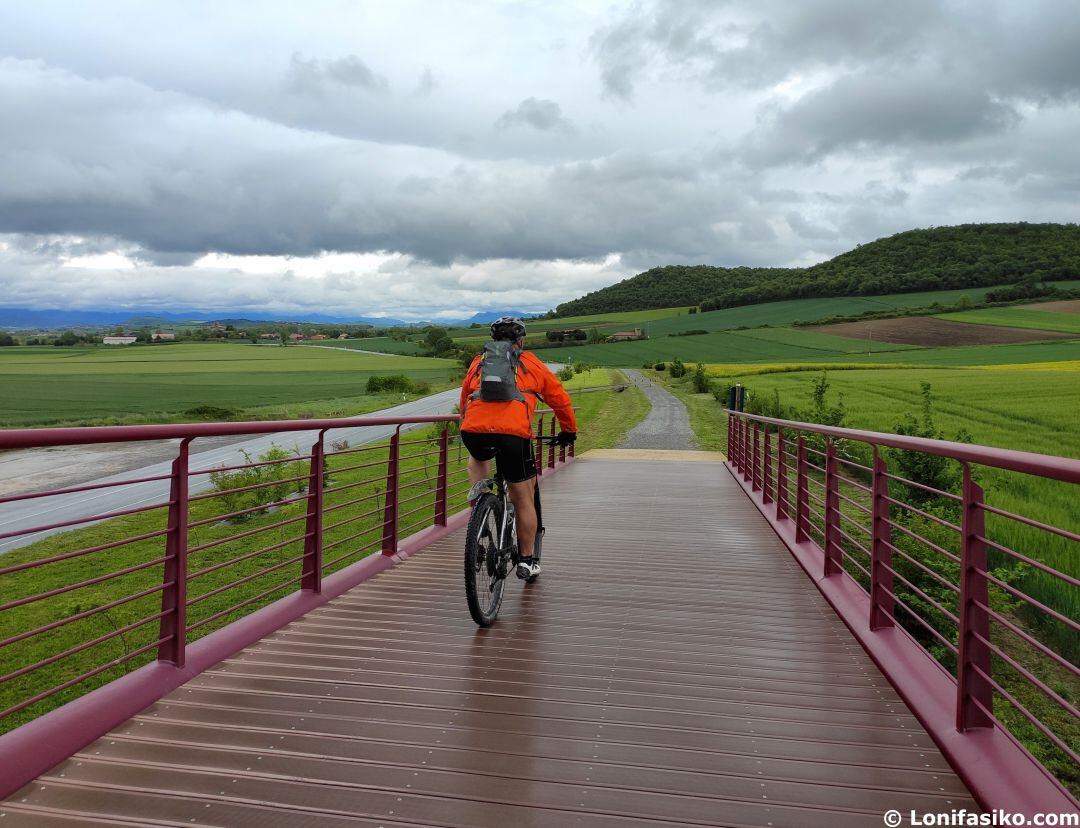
498, 373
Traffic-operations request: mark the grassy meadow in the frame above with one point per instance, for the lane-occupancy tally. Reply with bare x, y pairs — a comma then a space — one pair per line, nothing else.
1020, 317
54, 386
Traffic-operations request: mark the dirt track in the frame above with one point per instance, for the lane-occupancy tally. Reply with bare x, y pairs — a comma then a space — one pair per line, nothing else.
931, 331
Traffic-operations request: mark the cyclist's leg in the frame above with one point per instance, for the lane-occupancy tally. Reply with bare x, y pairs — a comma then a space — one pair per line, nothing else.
481, 451
519, 468
525, 508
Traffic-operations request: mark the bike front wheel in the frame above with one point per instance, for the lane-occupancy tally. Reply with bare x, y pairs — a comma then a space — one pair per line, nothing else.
485, 569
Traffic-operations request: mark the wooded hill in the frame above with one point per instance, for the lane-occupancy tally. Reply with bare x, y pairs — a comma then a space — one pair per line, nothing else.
939, 258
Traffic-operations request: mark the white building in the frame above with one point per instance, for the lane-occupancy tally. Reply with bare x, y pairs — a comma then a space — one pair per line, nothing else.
118, 340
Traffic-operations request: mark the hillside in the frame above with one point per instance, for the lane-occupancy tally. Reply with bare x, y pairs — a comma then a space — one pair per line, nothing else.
938, 258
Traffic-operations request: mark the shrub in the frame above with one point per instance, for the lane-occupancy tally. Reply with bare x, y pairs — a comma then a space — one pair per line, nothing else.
676, 368
660, 367
580, 368
210, 412
931, 470
566, 373
280, 469
700, 381
394, 382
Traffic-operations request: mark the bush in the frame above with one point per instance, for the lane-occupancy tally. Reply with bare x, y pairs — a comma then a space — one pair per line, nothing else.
677, 369
700, 381
280, 469
566, 373
210, 412
930, 470
580, 368
660, 367
395, 382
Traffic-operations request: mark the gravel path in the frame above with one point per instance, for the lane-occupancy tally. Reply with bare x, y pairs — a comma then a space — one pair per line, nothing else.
666, 427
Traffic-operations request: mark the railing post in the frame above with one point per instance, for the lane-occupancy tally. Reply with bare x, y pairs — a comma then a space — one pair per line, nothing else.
766, 471
444, 471
551, 446
833, 551
538, 460
781, 476
972, 688
173, 627
390, 509
754, 457
731, 439
748, 454
311, 565
882, 607
802, 498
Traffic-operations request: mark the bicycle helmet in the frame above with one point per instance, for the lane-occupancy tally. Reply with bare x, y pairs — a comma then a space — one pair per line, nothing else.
507, 328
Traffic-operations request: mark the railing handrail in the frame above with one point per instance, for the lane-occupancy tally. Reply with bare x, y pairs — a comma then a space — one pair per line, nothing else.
85, 435
21, 438
1026, 462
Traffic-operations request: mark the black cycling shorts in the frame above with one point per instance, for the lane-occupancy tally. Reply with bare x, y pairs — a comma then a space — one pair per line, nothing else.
513, 455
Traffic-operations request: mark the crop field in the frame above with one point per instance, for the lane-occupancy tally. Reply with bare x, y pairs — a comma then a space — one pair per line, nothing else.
802, 345
46, 386
934, 331
1020, 317
674, 320
380, 344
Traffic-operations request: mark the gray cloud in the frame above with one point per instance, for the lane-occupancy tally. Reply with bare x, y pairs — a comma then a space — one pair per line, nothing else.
720, 131
307, 77
885, 110
543, 115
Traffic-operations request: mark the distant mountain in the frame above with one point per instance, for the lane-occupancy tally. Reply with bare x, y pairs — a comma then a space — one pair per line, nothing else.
52, 319
491, 316
938, 258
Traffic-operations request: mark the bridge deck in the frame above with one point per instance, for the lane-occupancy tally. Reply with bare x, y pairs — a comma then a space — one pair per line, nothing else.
673, 665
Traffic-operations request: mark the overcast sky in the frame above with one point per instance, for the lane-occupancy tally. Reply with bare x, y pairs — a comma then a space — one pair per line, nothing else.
417, 159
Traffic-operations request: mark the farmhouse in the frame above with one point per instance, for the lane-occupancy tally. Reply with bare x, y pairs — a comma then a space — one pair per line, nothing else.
295, 337
623, 336
268, 336
318, 337
118, 340
162, 337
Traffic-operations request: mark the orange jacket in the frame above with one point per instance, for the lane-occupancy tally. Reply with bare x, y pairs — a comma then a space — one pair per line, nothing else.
515, 417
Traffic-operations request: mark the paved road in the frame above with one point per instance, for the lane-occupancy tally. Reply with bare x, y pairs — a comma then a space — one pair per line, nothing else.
28, 514
668, 424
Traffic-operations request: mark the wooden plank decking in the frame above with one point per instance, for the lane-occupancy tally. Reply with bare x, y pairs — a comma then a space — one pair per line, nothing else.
673, 665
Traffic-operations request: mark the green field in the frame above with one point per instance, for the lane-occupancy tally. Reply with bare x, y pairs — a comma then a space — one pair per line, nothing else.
1020, 317
658, 323
381, 344
797, 345
46, 386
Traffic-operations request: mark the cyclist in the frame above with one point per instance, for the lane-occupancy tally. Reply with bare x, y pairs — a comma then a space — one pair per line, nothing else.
496, 422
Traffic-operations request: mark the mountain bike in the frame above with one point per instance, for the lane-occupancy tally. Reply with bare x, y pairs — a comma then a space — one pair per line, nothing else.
491, 545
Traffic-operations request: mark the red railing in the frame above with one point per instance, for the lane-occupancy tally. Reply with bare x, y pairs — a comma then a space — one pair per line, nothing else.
140, 571
946, 627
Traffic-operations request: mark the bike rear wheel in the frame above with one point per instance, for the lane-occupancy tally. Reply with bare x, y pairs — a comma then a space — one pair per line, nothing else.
484, 567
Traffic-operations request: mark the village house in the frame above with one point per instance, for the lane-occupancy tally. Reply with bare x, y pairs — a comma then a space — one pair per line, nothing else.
623, 336
118, 340
162, 337
318, 337
268, 336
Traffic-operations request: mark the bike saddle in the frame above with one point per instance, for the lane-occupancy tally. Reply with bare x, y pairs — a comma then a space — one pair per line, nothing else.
479, 487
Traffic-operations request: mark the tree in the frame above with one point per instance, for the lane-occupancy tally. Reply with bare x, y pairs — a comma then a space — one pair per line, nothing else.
66, 339
6, 340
